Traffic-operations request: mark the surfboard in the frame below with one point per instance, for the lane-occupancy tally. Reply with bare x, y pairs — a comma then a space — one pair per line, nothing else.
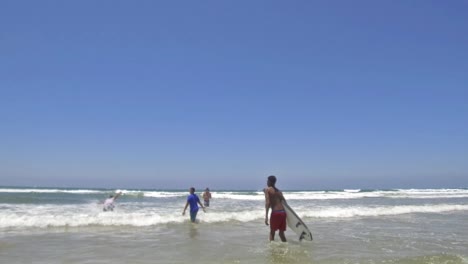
296, 224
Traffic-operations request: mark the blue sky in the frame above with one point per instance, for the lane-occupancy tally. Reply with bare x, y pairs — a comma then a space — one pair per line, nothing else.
172, 94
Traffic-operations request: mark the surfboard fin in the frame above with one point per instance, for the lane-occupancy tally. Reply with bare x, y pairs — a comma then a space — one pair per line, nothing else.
302, 236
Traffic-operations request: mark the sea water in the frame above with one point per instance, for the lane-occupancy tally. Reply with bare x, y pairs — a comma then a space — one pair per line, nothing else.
48, 225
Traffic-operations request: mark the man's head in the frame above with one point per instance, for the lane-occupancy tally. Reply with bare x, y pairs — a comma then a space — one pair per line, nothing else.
271, 180
192, 190
207, 189
111, 196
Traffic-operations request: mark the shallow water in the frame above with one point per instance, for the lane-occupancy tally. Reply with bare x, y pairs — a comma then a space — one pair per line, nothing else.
402, 226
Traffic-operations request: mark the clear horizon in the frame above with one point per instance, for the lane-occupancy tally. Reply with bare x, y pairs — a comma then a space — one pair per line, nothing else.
342, 95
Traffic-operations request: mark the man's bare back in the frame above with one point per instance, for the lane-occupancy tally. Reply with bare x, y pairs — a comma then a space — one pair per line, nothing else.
274, 198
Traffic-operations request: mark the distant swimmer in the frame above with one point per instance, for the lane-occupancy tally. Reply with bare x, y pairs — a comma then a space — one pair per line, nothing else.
193, 201
273, 199
206, 197
109, 202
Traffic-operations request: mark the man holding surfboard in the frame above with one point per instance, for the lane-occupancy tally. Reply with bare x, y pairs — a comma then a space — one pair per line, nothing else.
273, 200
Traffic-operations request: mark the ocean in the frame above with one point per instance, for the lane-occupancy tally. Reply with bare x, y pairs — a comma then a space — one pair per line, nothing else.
63, 225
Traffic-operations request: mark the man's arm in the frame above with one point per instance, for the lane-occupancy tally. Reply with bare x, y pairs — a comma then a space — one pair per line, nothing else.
117, 195
185, 208
282, 197
201, 206
267, 204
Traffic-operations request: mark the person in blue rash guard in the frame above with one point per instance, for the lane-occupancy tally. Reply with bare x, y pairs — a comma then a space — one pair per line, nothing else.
193, 201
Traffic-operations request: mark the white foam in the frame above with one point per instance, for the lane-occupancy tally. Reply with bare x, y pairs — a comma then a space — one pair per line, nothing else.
428, 193
362, 211
350, 194
289, 195
352, 190
14, 190
46, 216
165, 194
238, 196
49, 215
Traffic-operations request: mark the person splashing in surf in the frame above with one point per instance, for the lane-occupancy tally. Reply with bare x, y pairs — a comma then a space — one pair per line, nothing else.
109, 202
273, 199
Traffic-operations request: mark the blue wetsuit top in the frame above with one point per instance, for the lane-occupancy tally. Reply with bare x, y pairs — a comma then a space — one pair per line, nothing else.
193, 201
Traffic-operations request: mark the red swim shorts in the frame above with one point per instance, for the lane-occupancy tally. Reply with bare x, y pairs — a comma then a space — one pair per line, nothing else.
278, 220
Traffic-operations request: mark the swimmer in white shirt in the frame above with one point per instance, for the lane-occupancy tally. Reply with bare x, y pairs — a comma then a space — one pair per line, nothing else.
109, 202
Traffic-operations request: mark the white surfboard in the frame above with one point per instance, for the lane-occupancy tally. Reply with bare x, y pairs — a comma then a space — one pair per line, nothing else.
296, 224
